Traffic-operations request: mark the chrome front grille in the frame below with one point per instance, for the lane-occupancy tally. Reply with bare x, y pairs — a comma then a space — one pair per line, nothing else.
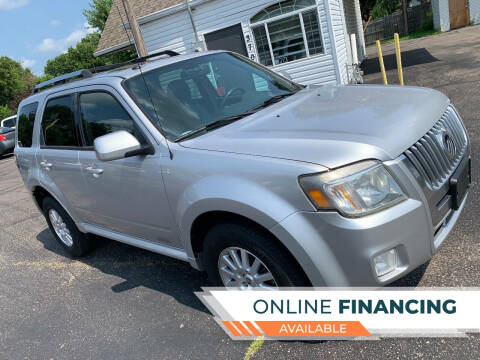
437, 154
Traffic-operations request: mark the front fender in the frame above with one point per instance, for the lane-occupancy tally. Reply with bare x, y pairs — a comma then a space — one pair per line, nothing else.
229, 194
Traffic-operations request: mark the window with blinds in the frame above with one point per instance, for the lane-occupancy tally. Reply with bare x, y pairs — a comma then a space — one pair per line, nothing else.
287, 31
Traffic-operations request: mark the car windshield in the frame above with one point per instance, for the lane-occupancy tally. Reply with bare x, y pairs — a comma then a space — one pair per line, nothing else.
192, 94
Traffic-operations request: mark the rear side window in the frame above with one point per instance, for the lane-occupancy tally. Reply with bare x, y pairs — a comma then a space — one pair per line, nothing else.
58, 123
26, 121
102, 114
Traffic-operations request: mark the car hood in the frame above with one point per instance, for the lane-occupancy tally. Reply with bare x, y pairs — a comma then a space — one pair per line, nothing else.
333, 125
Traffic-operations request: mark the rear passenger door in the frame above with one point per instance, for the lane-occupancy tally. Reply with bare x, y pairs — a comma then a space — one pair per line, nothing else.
25, 149
57, 158
126, 196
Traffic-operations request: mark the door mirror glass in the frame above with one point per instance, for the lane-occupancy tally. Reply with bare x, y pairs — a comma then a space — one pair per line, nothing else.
116, 145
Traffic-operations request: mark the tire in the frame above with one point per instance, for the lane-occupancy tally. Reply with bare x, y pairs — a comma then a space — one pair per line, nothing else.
274, 258
80, 244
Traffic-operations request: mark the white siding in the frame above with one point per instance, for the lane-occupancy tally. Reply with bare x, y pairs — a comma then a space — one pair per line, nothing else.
474, 11
441, 15
175, 32
341, 41
353, 21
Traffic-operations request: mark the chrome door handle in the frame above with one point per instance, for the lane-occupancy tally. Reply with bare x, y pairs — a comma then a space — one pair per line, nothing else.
46, 165
94, 171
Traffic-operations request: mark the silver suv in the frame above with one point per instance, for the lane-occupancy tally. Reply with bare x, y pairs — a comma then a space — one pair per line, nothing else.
215, 160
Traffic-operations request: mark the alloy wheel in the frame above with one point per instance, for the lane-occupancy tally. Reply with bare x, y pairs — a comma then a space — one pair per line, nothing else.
240, 268
60, 227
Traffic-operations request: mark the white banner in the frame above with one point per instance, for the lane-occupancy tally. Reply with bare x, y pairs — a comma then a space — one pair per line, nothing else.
344, 313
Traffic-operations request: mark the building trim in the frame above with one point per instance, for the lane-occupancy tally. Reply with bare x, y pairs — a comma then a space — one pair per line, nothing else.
333, 41
113, 49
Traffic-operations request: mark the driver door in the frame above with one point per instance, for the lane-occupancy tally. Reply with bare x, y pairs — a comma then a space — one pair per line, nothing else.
126, 196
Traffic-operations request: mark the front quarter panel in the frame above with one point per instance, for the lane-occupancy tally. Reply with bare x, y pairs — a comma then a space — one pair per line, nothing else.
261, 189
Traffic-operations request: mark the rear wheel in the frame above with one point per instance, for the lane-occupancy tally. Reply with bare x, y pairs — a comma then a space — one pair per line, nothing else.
64, 229
238, 255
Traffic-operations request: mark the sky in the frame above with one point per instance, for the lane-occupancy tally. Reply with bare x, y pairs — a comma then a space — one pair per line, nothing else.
33, 31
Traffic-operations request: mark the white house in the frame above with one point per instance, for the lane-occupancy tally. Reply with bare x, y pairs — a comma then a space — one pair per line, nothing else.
306, 39
452, 14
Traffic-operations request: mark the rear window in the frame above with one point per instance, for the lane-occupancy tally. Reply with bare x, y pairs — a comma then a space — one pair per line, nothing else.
58, 123
9, 123
26, 121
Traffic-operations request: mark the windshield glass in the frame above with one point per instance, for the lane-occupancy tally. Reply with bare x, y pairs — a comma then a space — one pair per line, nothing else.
188, 95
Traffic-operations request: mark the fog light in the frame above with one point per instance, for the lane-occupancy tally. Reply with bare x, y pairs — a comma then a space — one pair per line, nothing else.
385, 263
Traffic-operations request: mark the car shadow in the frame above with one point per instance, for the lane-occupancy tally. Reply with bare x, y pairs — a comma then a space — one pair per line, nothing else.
6, 156
138, 267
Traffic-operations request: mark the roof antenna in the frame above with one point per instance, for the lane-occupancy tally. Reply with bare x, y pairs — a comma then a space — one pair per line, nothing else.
123, 22
146, 85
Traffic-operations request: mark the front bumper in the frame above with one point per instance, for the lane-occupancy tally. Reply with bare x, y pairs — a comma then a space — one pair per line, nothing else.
338, 251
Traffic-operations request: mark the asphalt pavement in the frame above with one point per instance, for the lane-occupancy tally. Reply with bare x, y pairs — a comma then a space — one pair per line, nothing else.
125, 303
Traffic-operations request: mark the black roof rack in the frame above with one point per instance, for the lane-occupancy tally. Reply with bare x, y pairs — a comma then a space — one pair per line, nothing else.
89, 73
133, 61
63, 79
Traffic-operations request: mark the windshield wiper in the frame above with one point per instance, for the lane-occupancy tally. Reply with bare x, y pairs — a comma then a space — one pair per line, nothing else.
214, 125
271, 101
230, 119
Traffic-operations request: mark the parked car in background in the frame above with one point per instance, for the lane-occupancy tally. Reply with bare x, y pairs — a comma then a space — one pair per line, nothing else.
7, 140
214, 159
9, 122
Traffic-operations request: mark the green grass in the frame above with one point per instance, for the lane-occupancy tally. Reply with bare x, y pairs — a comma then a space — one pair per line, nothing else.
254, 347
414, 35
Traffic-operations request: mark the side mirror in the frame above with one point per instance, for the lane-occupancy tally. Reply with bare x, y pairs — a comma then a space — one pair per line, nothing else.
118, 145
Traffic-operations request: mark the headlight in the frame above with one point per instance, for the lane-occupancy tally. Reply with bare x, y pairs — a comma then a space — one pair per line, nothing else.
354, 190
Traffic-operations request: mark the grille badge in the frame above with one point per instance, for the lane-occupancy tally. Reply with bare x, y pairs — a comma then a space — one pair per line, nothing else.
449, 145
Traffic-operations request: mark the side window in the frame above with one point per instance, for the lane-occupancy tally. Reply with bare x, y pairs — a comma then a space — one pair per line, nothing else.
102, 114
58, 123
26, 121
9, 123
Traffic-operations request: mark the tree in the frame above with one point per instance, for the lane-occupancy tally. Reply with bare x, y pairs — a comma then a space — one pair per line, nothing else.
378, 8
29, 80
11, 76
98, 12
5, 112
81, 57
384, 7
366, 7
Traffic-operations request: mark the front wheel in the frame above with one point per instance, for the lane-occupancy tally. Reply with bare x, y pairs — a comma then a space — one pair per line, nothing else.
238, 255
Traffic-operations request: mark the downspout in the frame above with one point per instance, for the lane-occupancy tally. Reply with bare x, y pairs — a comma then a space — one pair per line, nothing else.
190, 14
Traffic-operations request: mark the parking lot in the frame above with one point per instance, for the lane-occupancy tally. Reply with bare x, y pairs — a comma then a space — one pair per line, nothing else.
123, 302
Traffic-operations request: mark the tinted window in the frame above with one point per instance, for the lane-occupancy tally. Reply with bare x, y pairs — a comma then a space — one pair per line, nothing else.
9, 123
58, 124
26, 120
102, 114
